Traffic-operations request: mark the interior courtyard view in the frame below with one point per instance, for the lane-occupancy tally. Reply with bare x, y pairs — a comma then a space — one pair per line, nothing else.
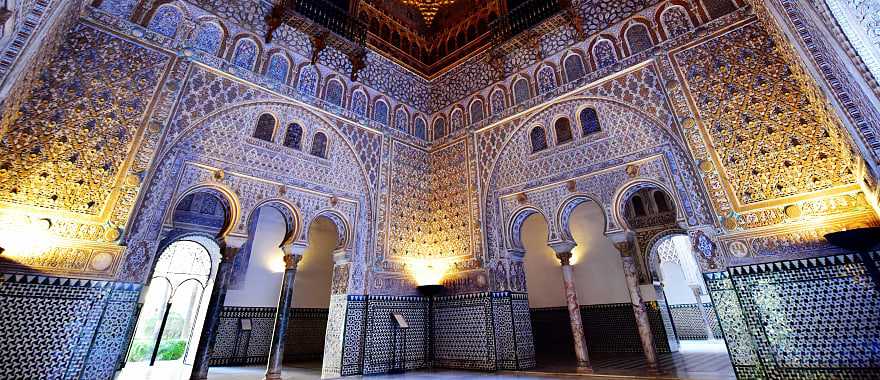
439, 189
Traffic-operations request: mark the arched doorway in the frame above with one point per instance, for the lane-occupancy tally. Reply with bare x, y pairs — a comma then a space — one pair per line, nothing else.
175, 300
304, 346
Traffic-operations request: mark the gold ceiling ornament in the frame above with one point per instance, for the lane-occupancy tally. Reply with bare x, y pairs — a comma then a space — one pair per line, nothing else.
428, 8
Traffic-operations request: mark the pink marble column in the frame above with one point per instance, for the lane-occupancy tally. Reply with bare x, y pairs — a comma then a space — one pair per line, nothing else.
563, 253
626, 248
292, 256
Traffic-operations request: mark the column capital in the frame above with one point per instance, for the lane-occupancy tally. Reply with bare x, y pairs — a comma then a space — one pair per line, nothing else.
230, 245
624, 242
291, 261
340, 256
516, 254
294, 249
564, 257
562, 246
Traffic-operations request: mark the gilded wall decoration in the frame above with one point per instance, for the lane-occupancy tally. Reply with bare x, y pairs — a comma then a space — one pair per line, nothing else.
767, 136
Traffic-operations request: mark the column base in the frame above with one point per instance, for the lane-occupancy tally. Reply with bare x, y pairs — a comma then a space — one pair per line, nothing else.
654, 371
584, 368
272, 376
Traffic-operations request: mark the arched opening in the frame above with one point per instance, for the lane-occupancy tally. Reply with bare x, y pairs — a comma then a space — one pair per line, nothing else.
681, 290
175, 300
304, 346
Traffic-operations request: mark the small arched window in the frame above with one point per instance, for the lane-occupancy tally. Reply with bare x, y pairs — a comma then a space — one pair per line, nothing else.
538, 138
563, 130
497, 102
319, 145
521, 91
333, 92
359, 103
380, 112
638, 205
574, 67
638, 38
208, 38
165, 21
476, 110
293, 137
265, 128
675, 21
589, 121
456, 120
278, 67
661, 202
401, 120
245, 54
439, 128
421, 129
546, 79
604, 54
308, 81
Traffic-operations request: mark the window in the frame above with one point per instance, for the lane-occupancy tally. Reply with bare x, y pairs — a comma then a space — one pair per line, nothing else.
675, 21
589, 121
380, 112
439, 128
278, 66
293, 137
574, 67
165, 21
563, 130
661, 202
476, 110
319, 145
245, 54
603, 53
265, 127
538, 138
208, 38
401, 120
333, 92
421, 129
521, 91
638, 206
638, 38
546, 79
497, 102
359, 103
308, 81
456, 120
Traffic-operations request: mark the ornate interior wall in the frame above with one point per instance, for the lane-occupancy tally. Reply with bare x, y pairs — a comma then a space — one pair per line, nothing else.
127, 106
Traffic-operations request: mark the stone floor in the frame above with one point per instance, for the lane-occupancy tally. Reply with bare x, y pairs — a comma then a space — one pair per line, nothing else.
695, 361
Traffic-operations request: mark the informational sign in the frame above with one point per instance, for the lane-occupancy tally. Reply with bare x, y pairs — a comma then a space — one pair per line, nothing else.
401, 320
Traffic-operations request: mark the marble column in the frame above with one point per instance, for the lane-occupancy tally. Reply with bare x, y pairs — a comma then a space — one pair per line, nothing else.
698, 291
292, 256
563, 253
626, 247
228, 249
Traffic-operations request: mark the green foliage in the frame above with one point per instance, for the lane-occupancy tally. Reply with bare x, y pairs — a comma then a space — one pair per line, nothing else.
168, 350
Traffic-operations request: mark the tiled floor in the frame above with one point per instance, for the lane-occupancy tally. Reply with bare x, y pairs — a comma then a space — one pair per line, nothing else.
695, 361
